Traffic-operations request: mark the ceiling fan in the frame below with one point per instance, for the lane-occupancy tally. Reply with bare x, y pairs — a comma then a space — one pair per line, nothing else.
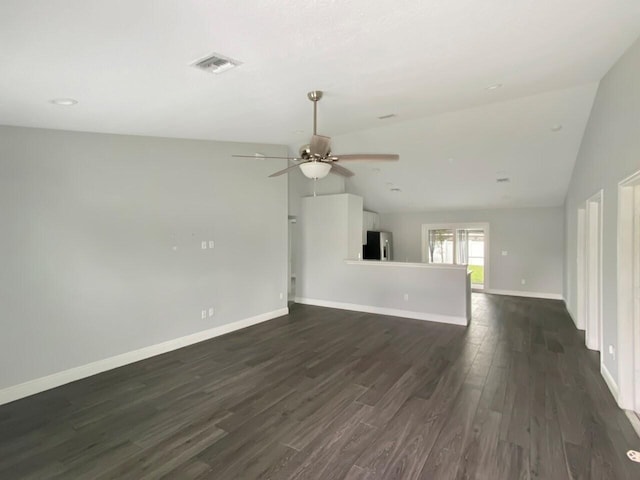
316, 159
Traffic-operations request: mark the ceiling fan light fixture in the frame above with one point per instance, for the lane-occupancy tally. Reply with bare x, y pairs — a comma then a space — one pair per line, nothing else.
315, 170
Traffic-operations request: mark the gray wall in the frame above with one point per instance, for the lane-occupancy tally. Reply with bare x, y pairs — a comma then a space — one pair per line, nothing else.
610, 151
89, 226
532, 237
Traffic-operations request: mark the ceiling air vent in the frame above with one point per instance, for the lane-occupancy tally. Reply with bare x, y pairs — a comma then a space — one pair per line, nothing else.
215, 63
503, 179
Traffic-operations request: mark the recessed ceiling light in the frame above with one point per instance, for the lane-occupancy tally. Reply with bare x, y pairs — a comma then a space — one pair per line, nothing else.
495, 86
64, 102
384, 117
556, 128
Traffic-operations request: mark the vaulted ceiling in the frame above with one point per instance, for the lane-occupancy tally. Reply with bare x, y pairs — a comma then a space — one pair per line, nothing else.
127, 63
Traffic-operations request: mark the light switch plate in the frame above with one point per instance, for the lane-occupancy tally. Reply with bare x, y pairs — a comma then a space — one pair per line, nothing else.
203, 245
211, 244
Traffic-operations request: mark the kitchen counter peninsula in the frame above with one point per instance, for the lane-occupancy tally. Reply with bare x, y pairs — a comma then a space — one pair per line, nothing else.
330, 231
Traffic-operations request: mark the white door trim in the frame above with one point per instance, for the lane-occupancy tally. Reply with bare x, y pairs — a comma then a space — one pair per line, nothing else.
628, 266
593, 270
580, 270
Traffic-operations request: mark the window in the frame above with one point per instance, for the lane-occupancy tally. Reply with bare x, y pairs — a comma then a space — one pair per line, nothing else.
458, 244
441, 245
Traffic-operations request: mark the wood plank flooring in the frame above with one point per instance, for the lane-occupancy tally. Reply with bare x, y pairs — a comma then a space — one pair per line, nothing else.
330, 394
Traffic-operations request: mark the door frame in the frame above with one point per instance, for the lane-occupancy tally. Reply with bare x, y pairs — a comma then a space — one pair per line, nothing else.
580, 270
593, 272
629, 300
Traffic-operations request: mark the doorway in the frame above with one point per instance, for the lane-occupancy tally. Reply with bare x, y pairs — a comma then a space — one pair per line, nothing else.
629, 293
593, 272
292, 254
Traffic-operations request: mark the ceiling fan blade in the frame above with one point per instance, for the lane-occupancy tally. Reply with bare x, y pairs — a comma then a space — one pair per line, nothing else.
373, 157
345, 172
285, 170
320, 145
262, 156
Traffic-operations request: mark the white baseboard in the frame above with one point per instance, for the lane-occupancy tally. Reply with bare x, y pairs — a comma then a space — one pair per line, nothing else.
518, 293
571, 316
613, 386
432, 317
634, 420
38, 385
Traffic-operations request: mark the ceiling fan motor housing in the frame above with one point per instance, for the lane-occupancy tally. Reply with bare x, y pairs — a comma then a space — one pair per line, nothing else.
305, 152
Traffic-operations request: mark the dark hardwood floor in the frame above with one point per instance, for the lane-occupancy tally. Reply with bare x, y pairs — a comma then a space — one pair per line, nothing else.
330, 394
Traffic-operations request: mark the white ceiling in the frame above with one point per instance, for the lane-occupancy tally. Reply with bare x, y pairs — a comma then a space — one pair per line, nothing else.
127, 63
452, 160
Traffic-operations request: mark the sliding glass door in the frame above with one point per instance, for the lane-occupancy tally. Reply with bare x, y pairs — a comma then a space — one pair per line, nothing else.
458, 244
474, 249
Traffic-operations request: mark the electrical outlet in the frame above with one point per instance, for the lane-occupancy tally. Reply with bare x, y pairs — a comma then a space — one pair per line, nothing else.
406, 297
211, 244
523, 281
281, 295
203, 314
612, 351
203, 245
504, 253
634, 456
211, 311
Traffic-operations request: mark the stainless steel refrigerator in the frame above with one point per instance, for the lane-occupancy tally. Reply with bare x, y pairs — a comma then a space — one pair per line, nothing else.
379, 246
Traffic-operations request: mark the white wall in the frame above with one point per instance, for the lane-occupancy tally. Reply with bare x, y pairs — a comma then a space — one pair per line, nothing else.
89, 226
301, 186
532, 237
610, 151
